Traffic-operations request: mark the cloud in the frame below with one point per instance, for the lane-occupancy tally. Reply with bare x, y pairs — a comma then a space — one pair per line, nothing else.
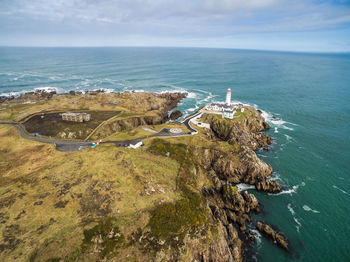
183, 20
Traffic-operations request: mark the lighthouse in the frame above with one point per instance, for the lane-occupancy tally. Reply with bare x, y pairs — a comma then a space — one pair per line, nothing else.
228, 97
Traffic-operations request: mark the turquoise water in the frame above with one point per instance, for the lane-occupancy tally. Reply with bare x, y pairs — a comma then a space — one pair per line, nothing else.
308, 94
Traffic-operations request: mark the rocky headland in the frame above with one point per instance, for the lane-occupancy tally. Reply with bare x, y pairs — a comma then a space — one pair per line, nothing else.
175, 199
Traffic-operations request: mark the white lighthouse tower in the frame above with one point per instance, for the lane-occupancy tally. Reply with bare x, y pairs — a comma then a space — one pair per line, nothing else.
228, 97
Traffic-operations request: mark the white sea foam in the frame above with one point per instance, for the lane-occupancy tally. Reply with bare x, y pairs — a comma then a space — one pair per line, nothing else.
275, 176
291, 210
192, 109
296, 220
239, 102
207, 98
288, 137
307, 208
202, 91
46, 89
190, 94
107, 90
242, 187
54, 78
15, 94
341, 190
172, 91
37, 89
291, 191
276, 121
298, 224
257, 237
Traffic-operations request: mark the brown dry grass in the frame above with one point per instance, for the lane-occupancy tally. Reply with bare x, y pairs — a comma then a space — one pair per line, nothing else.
84, 186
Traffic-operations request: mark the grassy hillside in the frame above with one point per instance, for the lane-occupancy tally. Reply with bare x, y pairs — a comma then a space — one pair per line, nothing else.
49, 198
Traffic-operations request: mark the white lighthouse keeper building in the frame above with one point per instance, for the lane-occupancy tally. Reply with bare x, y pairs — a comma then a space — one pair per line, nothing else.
228, 97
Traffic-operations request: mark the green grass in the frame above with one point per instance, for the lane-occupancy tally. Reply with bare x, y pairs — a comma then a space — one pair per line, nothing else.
170, 220
108, 232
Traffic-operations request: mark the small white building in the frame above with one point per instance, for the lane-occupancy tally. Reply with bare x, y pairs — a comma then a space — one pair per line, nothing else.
137, 145
228, 114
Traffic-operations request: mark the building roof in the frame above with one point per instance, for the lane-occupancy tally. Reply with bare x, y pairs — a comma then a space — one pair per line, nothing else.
222, 105
74, 114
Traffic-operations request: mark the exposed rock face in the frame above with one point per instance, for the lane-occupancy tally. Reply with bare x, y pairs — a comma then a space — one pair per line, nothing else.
244, 167
158, 114
245, 131
6, 98
74, 93
175, 114
129, 123
37, 95
277, 237
172, 99
227, 205
220, 251
244, 135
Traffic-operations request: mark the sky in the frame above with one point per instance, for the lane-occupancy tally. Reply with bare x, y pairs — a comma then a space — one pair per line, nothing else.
285, 25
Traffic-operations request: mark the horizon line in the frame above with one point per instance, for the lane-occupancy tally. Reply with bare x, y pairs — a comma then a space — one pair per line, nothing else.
193, 47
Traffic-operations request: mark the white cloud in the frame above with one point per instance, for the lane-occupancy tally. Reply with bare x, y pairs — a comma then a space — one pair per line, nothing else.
184, 20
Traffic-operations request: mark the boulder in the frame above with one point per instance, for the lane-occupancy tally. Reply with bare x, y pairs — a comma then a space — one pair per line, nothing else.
278, 238
266, 185
282, 241
175, 114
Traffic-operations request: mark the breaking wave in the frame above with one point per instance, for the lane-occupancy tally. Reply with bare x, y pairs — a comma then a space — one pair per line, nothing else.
276, 121
341, 190
257, 237
291, 191
296, 220
307, 208
243, 187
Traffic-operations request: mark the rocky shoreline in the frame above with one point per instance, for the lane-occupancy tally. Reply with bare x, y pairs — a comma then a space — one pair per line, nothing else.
230, 207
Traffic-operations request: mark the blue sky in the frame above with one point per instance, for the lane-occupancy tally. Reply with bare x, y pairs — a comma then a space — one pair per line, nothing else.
292, 25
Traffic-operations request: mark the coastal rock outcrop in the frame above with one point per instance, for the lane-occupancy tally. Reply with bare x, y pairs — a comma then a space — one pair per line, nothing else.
277, 237
31, 96
242, 167
175, 114
244, 131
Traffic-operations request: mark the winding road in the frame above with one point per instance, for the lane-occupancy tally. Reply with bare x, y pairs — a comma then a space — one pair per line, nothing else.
69, 146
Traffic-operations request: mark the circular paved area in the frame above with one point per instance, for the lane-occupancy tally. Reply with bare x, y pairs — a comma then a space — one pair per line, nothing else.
175, 130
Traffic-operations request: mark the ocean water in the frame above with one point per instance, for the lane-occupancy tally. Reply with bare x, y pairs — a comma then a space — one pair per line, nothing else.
305, 98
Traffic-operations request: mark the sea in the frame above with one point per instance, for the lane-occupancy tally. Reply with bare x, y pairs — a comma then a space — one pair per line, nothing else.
305, 97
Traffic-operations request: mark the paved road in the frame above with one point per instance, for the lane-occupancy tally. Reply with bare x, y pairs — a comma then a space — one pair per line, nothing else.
68, 146
187, 121
65, 146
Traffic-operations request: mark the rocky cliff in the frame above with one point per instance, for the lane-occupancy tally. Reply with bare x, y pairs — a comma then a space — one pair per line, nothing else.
225, 154
157, 113
238, 165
